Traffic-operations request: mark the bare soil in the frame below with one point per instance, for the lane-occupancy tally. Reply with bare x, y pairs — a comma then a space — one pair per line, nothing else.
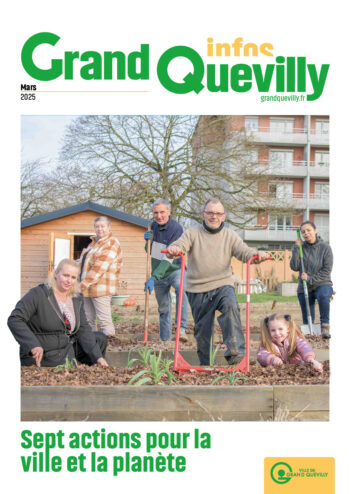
129, 326
95, 375
130, 335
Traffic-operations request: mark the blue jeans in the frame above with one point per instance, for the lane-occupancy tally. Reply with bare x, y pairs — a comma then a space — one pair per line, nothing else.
162, 291
203, 306
322, 294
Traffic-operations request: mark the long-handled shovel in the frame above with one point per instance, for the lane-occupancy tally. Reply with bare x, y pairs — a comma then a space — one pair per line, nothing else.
306, 294
148, 275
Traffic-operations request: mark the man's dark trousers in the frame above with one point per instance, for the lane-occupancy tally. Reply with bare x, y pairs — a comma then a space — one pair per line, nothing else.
203, 306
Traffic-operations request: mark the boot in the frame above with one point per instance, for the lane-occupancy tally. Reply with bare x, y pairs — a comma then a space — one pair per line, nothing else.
325, 331
183, 335
235, 359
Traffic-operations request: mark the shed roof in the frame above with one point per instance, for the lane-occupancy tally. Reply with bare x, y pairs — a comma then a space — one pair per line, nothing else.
85, 206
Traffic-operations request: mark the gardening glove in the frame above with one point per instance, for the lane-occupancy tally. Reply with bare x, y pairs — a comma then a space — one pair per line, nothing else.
148, 235
149, 285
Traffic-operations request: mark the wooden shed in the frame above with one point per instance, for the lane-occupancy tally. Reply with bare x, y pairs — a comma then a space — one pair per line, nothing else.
50, 237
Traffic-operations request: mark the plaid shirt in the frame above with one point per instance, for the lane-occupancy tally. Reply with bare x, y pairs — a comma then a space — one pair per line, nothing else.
102, 265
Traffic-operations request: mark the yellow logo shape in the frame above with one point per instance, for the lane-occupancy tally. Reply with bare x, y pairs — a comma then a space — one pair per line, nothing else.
304, 475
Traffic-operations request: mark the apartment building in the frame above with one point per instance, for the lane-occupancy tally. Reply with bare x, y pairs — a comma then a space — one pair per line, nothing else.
292, 152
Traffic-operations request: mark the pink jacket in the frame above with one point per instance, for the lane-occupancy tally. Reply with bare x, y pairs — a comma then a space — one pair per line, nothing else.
304, 351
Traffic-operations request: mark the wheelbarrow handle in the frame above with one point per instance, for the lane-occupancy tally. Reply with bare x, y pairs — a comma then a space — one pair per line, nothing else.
180, 254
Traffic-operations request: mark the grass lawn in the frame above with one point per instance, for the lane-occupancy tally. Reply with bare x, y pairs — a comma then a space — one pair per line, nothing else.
266, 297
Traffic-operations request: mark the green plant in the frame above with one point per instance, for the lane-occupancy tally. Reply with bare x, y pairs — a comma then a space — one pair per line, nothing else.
68, 365
232, 377
166, 364
130, 361
153, 374
144, 353
212, 352
117, 317
158, 368
266, 297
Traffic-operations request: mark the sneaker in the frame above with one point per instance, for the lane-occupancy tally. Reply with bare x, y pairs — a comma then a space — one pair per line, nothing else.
325, 331
183, 335
235, 359
166, 344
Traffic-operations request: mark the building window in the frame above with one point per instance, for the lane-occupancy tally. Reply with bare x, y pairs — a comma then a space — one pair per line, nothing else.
322, 158
279, 222
282, 159
281, 190
282, 125
321, 190
322, 224
251, 123
322, 127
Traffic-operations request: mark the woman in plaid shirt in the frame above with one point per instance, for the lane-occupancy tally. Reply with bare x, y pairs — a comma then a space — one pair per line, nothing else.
100, 265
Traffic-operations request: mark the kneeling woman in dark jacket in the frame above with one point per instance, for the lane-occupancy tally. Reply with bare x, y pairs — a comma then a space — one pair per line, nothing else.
49, 323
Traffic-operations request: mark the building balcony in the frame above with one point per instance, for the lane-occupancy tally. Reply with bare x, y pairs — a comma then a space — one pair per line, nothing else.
318, 201
263, 233
280, 169
319, 170
296, 137
294, 201
294, 169
319, 138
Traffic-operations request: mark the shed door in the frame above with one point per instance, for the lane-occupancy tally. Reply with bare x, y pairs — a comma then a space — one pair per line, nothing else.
61, 247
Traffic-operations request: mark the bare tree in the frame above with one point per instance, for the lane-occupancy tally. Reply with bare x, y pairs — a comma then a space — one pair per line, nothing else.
128, 161
37, 189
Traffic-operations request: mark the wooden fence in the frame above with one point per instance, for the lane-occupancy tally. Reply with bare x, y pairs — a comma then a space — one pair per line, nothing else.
269, 272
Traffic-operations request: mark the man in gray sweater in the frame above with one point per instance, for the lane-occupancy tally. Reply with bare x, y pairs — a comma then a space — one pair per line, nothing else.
210, 282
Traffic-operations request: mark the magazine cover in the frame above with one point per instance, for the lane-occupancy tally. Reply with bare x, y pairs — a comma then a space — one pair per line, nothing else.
174, 256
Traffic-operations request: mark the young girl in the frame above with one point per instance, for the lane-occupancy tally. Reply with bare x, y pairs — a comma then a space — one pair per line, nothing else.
282, 342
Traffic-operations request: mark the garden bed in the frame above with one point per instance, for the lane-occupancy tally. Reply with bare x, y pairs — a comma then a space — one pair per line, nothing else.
96, 375
95, 393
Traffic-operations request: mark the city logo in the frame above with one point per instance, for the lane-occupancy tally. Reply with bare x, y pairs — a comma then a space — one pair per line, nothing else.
279, 472
305, 475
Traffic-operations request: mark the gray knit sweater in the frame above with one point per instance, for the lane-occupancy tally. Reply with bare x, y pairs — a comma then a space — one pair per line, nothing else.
209, 257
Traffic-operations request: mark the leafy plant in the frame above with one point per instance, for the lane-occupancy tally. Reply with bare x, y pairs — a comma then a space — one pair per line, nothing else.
166, 364
232, 377
130, 361
212, 352
68, 365
144, 353
158, 368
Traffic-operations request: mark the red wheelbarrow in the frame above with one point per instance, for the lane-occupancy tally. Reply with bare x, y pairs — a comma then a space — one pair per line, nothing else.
180, 364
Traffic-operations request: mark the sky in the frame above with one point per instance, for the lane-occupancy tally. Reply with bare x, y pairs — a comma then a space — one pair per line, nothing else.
42, 137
